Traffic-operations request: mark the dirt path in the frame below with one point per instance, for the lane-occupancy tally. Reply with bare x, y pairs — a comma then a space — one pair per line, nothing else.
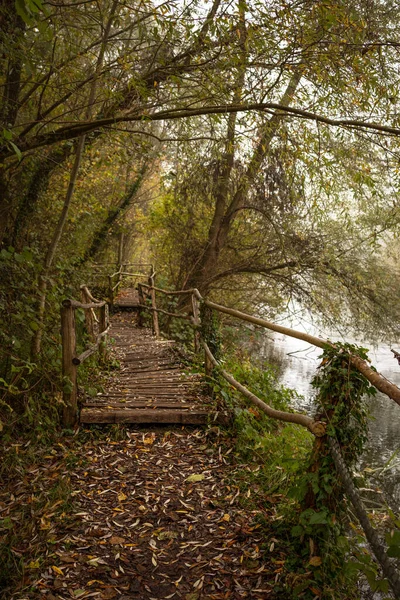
157, 516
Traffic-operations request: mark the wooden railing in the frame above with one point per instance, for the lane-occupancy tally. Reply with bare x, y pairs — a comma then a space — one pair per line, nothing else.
316, 427
128, 274
70, 359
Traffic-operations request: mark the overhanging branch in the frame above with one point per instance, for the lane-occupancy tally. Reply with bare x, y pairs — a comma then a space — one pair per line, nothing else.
81, 128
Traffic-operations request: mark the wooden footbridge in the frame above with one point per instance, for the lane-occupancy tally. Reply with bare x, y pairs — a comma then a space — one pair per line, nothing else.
153, 386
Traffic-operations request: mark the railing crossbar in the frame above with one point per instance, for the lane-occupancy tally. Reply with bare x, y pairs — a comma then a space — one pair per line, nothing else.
84, 355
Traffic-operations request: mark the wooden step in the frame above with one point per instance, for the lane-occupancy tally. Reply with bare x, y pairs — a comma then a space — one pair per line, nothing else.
145, 415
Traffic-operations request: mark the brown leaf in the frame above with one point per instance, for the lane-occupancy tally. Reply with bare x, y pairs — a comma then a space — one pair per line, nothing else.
115, 539
108, 593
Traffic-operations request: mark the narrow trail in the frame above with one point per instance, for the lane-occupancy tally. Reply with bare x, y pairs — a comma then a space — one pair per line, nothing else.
158, 516
152, 512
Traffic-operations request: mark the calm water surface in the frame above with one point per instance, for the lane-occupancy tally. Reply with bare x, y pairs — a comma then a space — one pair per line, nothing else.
298, 361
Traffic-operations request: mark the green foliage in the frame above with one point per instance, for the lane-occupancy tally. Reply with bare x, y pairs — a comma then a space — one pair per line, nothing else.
322, 519
340, 401
29, 10
210, 329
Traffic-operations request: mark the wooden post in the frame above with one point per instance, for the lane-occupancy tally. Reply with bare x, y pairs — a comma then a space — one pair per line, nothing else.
89, 320
196, 319
141, 301
156, 328
68, 338
103, 324
110, 291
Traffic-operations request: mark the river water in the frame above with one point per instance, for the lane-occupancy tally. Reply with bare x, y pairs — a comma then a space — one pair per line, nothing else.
297, 362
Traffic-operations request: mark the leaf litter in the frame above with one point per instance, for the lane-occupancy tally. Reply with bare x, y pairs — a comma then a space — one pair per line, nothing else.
149, 520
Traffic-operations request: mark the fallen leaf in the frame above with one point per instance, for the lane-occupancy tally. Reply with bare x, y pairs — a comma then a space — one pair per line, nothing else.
108, 593
194, 478
167, 535
315, 561
116, 540
57, 570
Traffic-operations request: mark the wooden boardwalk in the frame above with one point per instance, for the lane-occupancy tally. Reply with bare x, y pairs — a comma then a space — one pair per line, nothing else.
127, 298
151, 385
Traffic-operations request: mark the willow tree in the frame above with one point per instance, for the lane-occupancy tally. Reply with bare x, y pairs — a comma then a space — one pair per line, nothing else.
340, 186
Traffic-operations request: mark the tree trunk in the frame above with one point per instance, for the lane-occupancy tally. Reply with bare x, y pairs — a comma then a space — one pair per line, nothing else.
225, 213
36, 343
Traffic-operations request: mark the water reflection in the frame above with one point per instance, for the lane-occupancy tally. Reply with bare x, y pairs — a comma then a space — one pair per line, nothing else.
297, 362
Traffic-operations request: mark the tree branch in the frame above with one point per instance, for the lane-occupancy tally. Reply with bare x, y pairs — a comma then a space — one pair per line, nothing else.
75, 130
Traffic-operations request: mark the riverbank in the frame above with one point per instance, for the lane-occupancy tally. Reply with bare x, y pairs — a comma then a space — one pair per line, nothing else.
297, 364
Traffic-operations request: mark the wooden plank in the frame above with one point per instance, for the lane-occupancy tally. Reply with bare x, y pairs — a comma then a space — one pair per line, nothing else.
151, 387
198, 417
140, 404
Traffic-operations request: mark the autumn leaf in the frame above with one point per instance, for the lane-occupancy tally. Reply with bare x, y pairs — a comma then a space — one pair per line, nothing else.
167, 535
57, 570
115, 539
315, 561
194, 478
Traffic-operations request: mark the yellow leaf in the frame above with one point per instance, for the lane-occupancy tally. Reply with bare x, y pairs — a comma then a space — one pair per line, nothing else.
122, 496
226, 517
34, 564
194, 478
149, 440
315, 561
57, 570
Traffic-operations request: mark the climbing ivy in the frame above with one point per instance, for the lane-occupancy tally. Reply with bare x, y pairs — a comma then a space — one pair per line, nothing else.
210, 329
318, 537
341, 392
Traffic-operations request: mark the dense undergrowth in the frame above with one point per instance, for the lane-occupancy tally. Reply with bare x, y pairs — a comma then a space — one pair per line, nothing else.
314, 534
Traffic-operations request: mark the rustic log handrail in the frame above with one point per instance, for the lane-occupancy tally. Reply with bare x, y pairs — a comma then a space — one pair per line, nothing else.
169, 292
316, 427
84, 288
379, 381
70, 361
169, 314
78, 360
127, 274
75, 304
376, 379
